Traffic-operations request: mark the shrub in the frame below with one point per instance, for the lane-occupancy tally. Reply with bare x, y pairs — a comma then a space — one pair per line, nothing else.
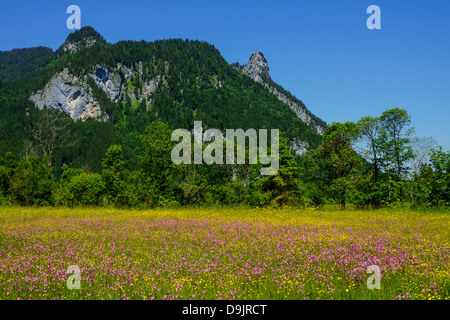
32, 183
84, 189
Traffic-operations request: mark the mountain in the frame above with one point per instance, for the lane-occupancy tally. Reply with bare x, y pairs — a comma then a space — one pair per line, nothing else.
84, 38
112, 91
258, 69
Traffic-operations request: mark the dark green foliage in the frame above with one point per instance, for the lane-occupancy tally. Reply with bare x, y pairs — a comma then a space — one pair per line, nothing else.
434, 180
157, 168
284, 187
31, 183
113, 176
395, 141
7, 166
16, 63
83, 38
314, 194
371, 131
78, 188
90, 140
335, 163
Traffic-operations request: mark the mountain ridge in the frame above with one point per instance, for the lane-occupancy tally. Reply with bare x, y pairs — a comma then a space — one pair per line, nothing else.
129, 83
257, 68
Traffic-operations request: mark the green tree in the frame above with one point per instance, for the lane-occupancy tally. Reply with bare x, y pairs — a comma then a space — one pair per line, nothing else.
396, 148
369, 186
369, 129
335, 162
49, 133
421, 148
79, 188
435, 180
396, 141
285, 186
113, 177
32, 183
7, 166
157, 168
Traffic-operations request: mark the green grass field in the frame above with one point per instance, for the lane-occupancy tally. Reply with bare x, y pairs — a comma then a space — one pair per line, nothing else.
223, 253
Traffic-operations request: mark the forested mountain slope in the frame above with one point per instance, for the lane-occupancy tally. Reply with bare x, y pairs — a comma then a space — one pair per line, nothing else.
109, 93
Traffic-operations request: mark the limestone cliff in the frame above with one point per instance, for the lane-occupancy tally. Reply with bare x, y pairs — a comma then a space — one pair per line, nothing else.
257, 68
110, 82
66, 93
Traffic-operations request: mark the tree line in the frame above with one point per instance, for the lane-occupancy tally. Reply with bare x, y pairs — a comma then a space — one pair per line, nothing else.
373, 163
378, 162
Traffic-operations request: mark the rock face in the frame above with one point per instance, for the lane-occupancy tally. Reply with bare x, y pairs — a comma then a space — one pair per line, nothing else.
300, 147
111, 83
68, 93
151, 85
72, 47
258, 69
64, 93
297, 108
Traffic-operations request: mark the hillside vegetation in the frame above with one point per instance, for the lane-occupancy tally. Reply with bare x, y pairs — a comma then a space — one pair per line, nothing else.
130, 96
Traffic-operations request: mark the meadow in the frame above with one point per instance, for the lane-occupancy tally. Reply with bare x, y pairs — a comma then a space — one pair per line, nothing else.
223, 253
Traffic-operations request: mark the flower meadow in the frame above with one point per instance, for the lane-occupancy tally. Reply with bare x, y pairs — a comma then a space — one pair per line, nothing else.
223, 253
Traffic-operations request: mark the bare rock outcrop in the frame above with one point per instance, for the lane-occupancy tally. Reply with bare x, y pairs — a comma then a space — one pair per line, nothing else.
65, 92
110, 82
72, 47
257, 68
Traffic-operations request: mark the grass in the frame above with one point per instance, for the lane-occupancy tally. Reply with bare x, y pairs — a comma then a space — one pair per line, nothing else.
223, 253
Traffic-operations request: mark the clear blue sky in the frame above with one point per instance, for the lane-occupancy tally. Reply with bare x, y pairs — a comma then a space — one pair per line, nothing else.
321, 51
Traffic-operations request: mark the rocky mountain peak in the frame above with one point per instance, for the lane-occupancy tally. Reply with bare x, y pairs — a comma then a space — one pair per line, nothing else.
84, 38
257, 67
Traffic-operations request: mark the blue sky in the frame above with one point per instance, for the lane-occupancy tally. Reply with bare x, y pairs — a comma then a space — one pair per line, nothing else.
321, 51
